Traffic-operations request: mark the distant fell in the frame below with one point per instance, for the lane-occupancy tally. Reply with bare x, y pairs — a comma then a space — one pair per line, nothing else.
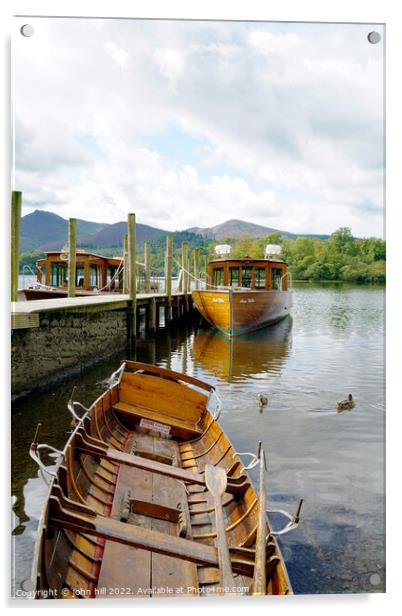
238, 229
113, 235
47, 231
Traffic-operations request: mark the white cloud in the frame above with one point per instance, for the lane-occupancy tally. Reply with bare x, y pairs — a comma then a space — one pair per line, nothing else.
119, 55
289, 118
171, 64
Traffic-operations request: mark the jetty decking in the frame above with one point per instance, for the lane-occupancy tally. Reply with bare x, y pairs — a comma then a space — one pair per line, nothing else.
25, 314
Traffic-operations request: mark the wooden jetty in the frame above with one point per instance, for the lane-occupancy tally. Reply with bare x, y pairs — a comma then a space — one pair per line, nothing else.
25, 314
57, 337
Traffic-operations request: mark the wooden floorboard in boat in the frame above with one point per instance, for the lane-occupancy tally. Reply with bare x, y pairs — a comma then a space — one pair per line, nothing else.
170, 573
138, 570
126, 570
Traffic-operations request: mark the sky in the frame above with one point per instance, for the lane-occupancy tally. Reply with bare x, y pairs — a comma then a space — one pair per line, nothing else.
192, 123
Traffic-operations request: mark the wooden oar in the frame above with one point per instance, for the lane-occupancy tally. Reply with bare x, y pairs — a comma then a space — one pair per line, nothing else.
259, 586
216, 481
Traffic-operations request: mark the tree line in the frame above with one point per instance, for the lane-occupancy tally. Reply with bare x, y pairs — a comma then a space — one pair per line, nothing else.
341, 257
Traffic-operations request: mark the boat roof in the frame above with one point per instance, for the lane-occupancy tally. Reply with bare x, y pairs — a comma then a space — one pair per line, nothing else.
246, 260
84, 253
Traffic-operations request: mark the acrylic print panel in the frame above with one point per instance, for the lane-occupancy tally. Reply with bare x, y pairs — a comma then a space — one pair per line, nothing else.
237, 134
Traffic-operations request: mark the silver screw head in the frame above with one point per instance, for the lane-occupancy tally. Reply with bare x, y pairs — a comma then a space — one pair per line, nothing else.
374, 37
27, 30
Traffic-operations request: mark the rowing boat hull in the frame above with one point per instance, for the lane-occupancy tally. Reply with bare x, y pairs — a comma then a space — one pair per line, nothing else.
128, 513
237, 312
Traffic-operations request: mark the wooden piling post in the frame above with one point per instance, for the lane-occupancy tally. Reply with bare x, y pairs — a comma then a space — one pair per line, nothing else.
72, 252
132, 260
197, 267
125, 266
152, 315
16, 199
168, 277
147, 261
185, 278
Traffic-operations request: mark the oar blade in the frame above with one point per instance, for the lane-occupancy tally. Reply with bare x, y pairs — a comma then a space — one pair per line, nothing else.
215, 479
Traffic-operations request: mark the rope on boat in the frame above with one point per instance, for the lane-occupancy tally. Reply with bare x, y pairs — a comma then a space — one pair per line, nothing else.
293, 520
35, 455
72, 403
256, 457
37, 283
117, 272
116, 376
218, 407
207, 284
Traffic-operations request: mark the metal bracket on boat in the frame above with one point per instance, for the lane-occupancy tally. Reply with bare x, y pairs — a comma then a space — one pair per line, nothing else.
73, 403
115, 377
35, 455
293, 520
218, 407
256, 457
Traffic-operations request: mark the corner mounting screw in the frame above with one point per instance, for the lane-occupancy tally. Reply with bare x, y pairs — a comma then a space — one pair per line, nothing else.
26, 30
374, 37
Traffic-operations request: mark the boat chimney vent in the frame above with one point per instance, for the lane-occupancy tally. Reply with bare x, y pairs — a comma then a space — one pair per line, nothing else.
222, 249
273, 250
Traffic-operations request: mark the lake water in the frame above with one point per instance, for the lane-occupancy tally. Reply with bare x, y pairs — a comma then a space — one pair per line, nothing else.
333, 346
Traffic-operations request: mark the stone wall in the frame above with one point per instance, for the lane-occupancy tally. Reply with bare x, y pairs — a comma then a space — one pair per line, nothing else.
64, 344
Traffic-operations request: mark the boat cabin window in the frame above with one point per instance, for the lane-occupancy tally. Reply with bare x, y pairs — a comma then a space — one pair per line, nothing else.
79, 275
112, 280
246, 277
94, 275
218, 277
276, 278
58, 275
234, 276
259, 277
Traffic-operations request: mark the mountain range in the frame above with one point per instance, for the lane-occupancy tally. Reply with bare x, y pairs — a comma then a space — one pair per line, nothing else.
45, 231
237, 229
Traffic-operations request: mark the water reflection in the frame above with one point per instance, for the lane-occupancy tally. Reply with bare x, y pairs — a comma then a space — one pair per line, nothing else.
231, 360
333, 460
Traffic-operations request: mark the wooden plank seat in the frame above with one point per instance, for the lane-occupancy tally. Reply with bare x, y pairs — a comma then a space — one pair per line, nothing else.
178, 427
140, 537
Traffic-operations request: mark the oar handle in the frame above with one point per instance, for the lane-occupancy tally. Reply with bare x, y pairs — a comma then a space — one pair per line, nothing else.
259, 579
227, 579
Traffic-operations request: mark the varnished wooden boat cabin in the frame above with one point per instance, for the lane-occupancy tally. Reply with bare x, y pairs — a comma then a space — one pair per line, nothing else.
93, 273
149, 498
244, 295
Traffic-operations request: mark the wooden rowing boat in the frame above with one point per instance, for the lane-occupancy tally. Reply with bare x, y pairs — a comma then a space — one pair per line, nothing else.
129, 511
